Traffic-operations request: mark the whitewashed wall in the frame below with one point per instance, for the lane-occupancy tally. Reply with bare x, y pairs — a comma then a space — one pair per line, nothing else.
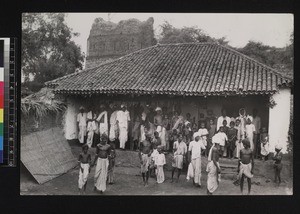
279, 119
70, 126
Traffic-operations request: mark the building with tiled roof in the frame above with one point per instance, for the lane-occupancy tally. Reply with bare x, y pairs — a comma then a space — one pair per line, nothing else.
196, 77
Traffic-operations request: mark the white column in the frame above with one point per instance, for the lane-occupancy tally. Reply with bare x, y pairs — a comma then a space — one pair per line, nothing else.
279, 119
70, 120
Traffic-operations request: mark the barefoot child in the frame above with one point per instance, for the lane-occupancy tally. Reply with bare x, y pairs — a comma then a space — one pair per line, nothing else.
232, 136
264, 139
84, 161
277, 165
111, 165
203, 135
245, 165
160, 161
223, 138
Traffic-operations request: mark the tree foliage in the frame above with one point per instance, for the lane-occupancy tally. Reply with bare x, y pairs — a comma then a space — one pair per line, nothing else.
47, 49
170, 34
281, 59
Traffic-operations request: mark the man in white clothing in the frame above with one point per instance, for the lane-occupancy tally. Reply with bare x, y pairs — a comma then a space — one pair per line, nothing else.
81, 124
113, 124
222, 118
195, 147
122, 120
103, 121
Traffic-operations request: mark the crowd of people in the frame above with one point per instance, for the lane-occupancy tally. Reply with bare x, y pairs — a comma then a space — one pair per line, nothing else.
156, 132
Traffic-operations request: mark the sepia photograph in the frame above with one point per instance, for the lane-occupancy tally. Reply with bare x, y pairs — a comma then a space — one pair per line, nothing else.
157, 104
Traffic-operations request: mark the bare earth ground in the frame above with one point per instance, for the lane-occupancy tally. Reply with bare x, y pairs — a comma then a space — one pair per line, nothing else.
128, 181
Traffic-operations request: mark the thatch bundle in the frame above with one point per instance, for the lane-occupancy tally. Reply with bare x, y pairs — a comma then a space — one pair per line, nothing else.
41, 104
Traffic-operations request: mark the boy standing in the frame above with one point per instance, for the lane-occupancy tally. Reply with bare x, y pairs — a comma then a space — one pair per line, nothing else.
203, 134
144, 155
245, 165
264, 140
160, 161
277, 165
232, 136
223, 138
111, 165
84, 161
179, 149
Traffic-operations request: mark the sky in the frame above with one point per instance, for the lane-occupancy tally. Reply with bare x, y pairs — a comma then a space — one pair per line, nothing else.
270, 29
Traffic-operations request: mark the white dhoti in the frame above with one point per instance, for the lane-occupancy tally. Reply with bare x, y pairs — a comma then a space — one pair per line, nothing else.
246, 170
264, 149
89, 140
197, 170
123, 136
238, 147
103, 128
101, 174
145, 163
177, 161
82, 133
212, 176
83, 176
160, 174
112, 132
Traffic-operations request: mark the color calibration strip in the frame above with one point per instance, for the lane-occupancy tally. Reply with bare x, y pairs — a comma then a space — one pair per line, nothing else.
8, 110
1, 97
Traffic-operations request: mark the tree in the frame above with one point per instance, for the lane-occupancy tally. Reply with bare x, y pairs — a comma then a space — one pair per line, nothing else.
170, 34
281, 59
47, 49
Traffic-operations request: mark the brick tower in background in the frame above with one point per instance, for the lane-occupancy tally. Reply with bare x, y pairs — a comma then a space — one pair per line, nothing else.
108, 40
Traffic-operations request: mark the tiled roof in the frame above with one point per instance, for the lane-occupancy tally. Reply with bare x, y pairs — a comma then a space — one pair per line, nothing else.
195, 69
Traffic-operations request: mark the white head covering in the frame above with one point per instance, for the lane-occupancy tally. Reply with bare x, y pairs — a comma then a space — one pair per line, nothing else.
158, 109
196, 134
123, 105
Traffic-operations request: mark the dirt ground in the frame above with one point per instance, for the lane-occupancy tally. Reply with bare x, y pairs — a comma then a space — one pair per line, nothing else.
128, 181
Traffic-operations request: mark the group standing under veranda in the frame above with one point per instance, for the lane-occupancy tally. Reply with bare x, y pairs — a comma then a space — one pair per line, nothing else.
154, 135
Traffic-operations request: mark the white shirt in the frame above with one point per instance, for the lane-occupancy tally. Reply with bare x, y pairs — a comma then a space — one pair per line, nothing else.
81, 119
203, 132
220, 121
180, 148
123, 118
223, 137
195, 147
250, 128
160, 159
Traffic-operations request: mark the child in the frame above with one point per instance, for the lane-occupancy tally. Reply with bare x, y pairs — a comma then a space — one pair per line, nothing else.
239, 138
152, 160
264, 139
187, 132
84, 161
159, 162
223, 139
111, 165
156, 140
203, 135
232, 136
91, 128
250, 129
212, 129
172, 138
277, 165
136, 131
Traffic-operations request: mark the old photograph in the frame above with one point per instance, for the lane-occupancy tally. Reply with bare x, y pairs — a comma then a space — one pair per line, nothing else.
157, 104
